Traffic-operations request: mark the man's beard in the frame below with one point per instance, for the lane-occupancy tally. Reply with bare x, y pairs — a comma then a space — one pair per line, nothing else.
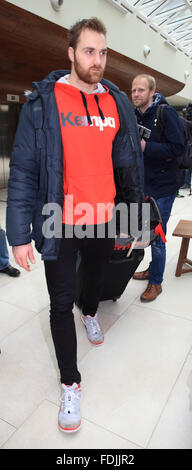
141, 103
88, 76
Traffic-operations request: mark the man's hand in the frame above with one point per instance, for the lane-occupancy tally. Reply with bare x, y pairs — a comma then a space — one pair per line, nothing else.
22, 254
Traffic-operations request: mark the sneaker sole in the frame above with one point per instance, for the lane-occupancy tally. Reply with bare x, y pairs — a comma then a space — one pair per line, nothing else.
69, 430
96, 344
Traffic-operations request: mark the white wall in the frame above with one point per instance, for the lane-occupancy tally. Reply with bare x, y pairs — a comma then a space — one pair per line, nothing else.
126, 34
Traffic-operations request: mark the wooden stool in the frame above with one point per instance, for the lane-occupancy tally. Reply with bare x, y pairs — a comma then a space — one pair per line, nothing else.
184, 230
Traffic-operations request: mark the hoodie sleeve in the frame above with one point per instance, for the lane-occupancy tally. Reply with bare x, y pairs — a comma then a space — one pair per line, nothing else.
23, 181
171, 145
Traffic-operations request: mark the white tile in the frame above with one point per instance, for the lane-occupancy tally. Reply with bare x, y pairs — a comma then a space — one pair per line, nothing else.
128, 381
40, 431
117, 308
11, 317
28, 291
176, 296
6, 430
174, 430
27, 370
8, 281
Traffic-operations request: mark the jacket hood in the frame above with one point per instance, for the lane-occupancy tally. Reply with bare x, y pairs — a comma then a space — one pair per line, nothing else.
47, 84
158, 98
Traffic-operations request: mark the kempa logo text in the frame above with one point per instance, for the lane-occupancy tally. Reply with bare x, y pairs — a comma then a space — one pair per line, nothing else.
83, 121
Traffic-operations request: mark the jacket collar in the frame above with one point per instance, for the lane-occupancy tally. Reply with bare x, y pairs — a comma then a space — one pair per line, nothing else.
47, 84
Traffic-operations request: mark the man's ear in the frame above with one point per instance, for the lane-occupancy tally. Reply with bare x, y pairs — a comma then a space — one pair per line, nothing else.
71, 54
152, 93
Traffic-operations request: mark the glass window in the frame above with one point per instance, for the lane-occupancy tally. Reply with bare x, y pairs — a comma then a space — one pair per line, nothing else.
171, 18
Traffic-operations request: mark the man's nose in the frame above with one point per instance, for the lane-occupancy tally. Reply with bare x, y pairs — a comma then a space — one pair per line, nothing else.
97, 59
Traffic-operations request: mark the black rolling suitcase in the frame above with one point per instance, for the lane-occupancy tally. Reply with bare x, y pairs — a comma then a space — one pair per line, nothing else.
121, 267
117, 274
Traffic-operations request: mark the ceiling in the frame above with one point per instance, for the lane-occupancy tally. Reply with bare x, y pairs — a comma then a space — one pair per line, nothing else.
171, 18
31, 47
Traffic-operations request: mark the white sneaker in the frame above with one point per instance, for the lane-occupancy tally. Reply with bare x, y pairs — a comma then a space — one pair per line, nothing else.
69, 419
94, 331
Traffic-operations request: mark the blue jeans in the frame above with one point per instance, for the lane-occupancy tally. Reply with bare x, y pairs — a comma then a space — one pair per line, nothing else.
158, 248
188, 177
4, 255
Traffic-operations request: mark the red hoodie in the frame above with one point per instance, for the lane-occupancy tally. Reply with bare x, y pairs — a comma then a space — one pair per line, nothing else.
88, 169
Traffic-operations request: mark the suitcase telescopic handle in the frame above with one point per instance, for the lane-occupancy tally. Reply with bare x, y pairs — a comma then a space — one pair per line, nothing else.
132, 246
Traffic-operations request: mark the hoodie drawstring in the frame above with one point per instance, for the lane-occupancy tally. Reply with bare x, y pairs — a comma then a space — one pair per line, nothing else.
100, 110
86, 108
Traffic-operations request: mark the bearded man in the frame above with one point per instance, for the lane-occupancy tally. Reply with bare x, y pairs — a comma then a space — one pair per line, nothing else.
160, 175
72, 151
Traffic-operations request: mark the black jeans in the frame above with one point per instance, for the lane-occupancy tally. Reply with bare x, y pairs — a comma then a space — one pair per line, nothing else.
61, 283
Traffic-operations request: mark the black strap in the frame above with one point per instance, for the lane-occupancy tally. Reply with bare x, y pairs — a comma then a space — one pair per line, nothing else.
100, 110
86, 109
160, 122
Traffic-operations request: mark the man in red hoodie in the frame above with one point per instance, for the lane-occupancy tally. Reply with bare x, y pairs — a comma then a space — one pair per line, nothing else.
88, 122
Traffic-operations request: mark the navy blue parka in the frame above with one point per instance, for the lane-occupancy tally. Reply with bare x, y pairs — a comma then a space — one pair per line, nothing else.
161, 151
36, 166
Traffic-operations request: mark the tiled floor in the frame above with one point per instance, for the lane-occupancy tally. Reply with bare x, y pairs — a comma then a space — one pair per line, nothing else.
137, 387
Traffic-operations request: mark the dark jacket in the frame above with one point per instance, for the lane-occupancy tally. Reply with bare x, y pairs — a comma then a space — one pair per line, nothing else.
36, 167
160, 154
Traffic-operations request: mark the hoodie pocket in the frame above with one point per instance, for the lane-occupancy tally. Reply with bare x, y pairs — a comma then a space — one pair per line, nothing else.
92, 189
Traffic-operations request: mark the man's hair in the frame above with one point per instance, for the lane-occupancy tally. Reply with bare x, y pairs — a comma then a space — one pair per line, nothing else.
151, 80
93, 24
